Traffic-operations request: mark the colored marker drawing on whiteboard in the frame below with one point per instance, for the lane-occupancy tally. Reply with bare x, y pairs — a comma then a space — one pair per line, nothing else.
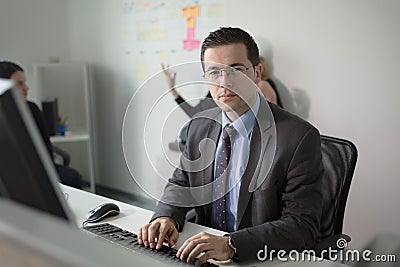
190, 13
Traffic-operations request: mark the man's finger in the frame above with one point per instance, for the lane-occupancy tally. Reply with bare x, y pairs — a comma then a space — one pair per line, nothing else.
205, 257
173, 237
188, 248
185, 244
144, 235
153, 232
140, 238
197, 249
162, 234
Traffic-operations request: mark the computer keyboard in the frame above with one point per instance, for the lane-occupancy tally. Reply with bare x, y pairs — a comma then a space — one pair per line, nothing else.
129, 240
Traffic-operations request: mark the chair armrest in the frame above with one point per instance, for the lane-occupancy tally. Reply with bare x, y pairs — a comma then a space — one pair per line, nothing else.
64, 154
191, 216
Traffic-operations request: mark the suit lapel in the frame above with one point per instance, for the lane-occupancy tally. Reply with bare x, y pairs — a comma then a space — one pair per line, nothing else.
255, 170
213, 134
214, 130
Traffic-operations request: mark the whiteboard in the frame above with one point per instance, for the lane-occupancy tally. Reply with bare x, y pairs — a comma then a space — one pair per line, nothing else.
168, 32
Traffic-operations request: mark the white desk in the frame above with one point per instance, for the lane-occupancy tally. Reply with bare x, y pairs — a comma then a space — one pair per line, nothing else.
131, 218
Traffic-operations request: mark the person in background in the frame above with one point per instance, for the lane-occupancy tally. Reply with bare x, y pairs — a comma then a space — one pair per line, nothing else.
10, 70
266, 85
282, 210
205, 103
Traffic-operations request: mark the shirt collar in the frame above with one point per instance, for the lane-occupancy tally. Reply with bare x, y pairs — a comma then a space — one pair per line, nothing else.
245, 123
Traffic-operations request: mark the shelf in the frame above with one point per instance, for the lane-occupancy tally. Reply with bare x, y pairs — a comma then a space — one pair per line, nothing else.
69, 83
74, 137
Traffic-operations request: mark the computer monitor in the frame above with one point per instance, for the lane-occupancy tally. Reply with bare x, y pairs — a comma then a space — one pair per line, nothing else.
28, 178
27, 174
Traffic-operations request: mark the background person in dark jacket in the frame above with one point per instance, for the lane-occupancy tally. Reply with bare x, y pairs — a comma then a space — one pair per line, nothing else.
10, 70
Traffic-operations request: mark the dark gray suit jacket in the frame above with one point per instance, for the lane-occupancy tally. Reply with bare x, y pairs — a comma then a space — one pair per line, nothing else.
280, 201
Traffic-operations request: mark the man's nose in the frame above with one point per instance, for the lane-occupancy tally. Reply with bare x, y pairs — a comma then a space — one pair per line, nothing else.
225, 79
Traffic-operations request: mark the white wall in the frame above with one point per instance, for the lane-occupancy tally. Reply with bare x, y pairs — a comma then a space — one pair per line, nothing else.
33, 31
338, 58
344, 56
95, 32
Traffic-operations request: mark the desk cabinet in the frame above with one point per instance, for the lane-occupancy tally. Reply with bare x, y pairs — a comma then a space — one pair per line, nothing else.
69, 83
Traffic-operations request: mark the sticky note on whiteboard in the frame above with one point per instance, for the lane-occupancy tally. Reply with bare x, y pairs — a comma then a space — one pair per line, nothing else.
190, 44
190, 22
191, 11
190, 33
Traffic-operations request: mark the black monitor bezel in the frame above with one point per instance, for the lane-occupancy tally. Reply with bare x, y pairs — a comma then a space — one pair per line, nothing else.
27, 174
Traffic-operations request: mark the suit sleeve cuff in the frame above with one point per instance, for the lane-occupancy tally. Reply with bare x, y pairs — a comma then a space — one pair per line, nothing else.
179, 100
231, 244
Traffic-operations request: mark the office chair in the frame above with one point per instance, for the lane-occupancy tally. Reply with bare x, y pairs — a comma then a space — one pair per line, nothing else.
62, 155
339, 157
68, 176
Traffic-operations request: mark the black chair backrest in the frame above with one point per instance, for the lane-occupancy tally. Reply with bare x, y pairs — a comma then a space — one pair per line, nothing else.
339, 157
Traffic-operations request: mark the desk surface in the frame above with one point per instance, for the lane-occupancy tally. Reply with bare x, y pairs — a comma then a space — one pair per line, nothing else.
132, 218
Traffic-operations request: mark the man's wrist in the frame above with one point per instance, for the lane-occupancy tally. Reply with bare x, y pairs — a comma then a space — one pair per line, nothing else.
231, 247
174, 93
173, 221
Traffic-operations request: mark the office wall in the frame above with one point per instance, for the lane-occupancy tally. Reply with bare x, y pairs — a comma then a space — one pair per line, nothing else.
336, 63
341, 59
33, 31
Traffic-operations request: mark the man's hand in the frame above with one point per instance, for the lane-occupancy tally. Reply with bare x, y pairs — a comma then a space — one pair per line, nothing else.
214, 247
162, 228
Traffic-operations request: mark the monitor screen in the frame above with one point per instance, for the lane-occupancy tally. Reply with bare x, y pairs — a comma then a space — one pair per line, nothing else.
27, 174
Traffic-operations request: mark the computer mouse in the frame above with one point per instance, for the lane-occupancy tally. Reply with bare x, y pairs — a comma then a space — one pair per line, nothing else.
103, 211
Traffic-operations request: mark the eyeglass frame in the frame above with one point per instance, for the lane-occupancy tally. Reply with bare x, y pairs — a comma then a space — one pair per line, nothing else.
228, 70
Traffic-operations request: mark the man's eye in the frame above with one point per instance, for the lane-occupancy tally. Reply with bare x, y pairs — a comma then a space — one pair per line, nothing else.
238, 69
214, 72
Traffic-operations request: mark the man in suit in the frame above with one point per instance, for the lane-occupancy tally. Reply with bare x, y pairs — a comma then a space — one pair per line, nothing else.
272, 181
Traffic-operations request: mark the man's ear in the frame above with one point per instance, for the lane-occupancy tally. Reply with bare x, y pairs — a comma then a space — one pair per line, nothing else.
258, 69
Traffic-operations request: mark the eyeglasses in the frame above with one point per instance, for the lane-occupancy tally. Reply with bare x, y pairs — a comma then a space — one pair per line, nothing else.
215, 74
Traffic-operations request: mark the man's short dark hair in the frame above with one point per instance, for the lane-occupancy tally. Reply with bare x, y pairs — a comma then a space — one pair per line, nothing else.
230, 35
7, 69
